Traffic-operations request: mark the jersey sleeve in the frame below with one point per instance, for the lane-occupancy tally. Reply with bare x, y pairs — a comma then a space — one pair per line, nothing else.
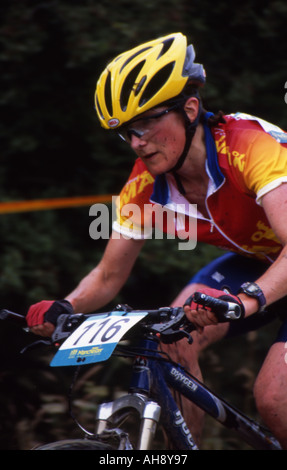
132, 205
266, 165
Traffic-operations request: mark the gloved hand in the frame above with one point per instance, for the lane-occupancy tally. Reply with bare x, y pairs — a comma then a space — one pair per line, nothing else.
47, 311
202, 315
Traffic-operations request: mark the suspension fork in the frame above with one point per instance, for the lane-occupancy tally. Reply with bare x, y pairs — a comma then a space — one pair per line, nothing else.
137, 399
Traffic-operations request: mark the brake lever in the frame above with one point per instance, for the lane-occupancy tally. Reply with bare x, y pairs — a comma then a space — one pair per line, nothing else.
172, 336
170, 331
66, 324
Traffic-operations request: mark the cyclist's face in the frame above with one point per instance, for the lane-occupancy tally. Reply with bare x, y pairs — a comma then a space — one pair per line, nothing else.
158, 138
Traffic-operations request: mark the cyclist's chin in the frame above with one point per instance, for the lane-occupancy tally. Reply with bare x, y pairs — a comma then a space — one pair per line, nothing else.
157, 164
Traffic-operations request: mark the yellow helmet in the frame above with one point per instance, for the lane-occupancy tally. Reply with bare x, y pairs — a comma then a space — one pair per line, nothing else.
145, 77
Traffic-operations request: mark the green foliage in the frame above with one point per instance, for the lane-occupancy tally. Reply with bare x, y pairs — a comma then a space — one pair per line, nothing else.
51, 54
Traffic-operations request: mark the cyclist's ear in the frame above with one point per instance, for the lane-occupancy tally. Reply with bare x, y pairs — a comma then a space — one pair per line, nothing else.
191, 108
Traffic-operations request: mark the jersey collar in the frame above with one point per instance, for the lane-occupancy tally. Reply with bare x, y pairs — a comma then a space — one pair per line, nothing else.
161, 191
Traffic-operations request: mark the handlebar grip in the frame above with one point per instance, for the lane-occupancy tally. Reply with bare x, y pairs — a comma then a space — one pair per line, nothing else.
223, 309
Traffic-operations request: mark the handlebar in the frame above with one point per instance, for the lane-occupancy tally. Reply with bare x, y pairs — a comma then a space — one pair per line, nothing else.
13, 317
168, 324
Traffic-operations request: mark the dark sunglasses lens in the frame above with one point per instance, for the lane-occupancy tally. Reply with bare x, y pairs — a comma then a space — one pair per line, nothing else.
126, 134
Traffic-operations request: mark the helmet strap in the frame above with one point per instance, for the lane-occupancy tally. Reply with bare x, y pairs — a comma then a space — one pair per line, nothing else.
190, 128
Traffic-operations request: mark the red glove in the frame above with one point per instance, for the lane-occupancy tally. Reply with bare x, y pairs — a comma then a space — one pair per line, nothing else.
218, 310
47, 311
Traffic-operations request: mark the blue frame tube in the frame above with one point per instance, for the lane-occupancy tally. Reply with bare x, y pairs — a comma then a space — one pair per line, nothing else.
153, 376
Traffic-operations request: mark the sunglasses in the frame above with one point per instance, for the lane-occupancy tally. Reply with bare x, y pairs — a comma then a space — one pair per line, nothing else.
141, 127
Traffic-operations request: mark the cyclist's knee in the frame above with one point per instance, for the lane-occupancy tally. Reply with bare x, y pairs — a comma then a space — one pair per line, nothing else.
182, 352
265, 396
270, 385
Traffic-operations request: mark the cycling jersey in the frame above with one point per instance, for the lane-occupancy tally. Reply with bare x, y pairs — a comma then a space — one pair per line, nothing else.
246, 158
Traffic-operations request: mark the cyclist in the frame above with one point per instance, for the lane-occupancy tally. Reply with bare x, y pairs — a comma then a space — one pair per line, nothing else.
228, 172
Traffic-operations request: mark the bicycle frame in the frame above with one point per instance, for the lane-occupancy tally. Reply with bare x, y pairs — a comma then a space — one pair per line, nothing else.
153, 377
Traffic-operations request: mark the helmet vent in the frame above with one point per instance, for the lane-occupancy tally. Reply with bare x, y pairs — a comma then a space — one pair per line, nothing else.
129, 85
166, 45
108, 95
133, 56
156, 83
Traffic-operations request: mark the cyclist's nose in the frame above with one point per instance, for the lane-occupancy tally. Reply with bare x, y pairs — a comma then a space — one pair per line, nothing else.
137, 142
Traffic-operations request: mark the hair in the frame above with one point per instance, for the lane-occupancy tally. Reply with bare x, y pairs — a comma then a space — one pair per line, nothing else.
192, 89
216, 119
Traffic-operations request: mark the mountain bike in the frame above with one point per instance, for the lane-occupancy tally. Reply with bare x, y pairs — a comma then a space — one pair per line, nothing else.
85, 339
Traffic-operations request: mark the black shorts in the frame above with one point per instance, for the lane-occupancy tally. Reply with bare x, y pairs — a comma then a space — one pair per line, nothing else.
231, 270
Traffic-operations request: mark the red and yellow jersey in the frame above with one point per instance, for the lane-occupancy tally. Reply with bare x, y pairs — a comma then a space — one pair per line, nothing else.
246, 158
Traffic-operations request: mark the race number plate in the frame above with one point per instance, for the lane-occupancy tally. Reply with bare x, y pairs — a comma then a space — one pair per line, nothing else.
95, 339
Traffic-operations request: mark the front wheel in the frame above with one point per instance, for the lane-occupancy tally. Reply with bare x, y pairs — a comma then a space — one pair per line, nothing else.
76, 444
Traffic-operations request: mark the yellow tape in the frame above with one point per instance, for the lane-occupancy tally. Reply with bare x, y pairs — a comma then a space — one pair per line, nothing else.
46, 204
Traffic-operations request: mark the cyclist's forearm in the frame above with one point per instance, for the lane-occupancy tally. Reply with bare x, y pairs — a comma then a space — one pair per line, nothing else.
94, 291
105, 281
